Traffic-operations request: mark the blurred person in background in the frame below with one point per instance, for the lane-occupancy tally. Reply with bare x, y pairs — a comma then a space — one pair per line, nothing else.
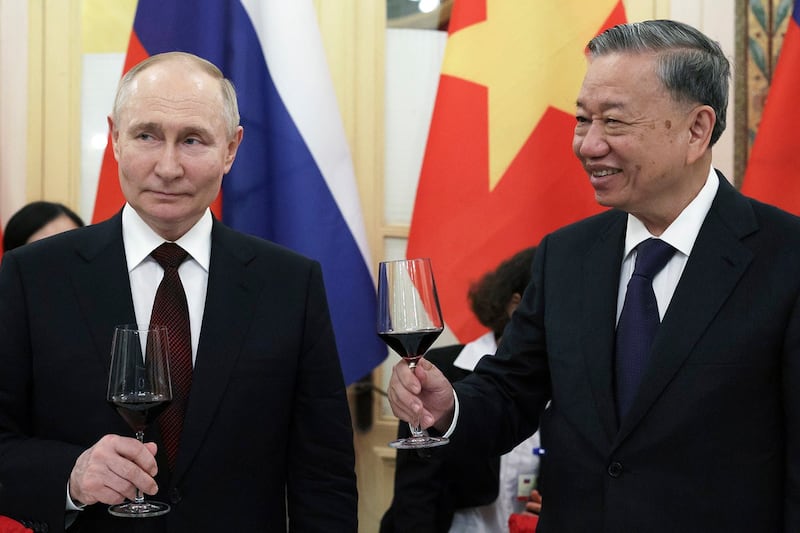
38, 220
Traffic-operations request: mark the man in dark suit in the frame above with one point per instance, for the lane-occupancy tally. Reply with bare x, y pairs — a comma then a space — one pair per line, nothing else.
266, 437
708, 439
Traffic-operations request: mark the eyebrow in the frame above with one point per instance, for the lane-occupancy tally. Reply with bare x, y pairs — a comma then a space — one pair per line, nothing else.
156, 126
605, 106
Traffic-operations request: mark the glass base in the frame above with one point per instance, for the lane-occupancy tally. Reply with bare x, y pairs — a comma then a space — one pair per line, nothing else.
413, 443
144, 509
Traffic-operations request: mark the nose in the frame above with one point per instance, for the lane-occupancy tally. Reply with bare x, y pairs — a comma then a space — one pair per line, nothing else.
168, 165
590, 141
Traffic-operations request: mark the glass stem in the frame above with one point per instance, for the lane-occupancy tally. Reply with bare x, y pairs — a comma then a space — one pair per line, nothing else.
416, 430
139, 496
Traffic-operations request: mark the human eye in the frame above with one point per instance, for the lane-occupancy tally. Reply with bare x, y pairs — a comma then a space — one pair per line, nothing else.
614, 124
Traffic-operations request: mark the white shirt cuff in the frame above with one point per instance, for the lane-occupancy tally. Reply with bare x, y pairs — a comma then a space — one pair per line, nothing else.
455, 417
71, 505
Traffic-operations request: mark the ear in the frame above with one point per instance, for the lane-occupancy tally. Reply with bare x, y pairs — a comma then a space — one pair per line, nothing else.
114, 137
701, 121
513, 303
233, 147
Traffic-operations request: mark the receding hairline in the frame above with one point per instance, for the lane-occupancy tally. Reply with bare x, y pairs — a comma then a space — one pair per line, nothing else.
227, 91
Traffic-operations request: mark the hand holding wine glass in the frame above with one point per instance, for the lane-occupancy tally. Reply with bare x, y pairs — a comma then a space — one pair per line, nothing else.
140, 389
409, 320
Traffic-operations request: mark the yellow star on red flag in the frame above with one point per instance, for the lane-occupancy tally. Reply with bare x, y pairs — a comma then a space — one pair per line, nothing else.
530, 56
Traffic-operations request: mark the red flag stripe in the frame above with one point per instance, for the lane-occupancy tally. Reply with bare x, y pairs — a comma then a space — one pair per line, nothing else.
774, 159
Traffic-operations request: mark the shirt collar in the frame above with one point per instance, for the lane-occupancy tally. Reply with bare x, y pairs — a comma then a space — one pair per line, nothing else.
473, 351
139, 239
683, 231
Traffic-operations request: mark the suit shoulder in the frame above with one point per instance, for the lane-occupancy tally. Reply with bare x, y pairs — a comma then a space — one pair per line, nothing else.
585, 232
243, 244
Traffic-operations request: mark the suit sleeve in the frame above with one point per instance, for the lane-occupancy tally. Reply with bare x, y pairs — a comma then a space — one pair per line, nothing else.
791, 395
500, 403
321, 491
33, 471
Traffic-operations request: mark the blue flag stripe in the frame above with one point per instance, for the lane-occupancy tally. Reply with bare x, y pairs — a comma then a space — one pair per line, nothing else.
276, 189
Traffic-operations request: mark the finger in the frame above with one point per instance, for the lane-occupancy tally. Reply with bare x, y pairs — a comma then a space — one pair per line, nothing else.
126, 476
406, 377
405, 405
142, 455
93, 477
130, 464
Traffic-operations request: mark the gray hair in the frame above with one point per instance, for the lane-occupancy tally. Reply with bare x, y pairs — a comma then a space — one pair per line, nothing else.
230, 105
691, 66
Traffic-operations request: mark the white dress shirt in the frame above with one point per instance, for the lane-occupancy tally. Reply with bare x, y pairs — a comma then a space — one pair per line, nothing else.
145, 272
681, 234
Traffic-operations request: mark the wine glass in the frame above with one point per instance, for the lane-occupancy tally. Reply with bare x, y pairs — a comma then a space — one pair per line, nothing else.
409, 320
140, 389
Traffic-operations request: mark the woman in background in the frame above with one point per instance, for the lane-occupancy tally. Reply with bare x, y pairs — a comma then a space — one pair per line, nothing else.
38, 220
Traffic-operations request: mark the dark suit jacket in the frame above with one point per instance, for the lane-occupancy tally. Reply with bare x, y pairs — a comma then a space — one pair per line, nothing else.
267, 425
429, 486
712, 441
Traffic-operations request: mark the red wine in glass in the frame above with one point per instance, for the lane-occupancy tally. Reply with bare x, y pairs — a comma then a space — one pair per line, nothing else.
139, 387
409, 320
411, 345
139, 410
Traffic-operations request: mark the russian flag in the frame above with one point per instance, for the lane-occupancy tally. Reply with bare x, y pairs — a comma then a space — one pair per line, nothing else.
293, 180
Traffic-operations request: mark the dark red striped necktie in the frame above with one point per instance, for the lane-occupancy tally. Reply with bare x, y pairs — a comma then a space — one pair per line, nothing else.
171, 310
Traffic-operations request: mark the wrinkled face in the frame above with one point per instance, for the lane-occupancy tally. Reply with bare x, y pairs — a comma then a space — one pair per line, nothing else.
632, 137
172, 146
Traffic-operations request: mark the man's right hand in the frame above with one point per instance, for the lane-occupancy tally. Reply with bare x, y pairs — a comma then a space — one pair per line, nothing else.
424, 394
112, 470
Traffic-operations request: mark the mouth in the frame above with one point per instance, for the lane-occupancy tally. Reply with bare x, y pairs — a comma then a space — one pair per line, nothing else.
602, 179
163, 194
603, 173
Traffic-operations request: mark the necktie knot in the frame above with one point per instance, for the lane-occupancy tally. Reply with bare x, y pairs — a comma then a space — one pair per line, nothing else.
651, 256
169, 255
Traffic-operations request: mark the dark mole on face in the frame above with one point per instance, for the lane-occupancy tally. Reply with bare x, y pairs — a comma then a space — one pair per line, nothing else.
667, 124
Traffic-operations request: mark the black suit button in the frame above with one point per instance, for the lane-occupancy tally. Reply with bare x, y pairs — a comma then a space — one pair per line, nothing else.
175, 496
615, 469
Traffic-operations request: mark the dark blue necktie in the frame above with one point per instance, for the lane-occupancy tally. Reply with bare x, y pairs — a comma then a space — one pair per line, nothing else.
639, 321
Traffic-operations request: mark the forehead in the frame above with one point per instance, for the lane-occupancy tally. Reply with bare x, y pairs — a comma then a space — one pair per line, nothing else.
622, 79
174, 89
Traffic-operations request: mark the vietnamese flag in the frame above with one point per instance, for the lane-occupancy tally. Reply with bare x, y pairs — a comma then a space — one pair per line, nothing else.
772, 167
498, 172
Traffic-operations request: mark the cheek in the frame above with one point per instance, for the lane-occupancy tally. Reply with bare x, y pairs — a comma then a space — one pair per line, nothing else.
577, 141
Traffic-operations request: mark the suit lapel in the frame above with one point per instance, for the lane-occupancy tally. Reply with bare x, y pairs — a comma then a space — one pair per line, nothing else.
101, 284
230, 300
717, 262
601, 269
